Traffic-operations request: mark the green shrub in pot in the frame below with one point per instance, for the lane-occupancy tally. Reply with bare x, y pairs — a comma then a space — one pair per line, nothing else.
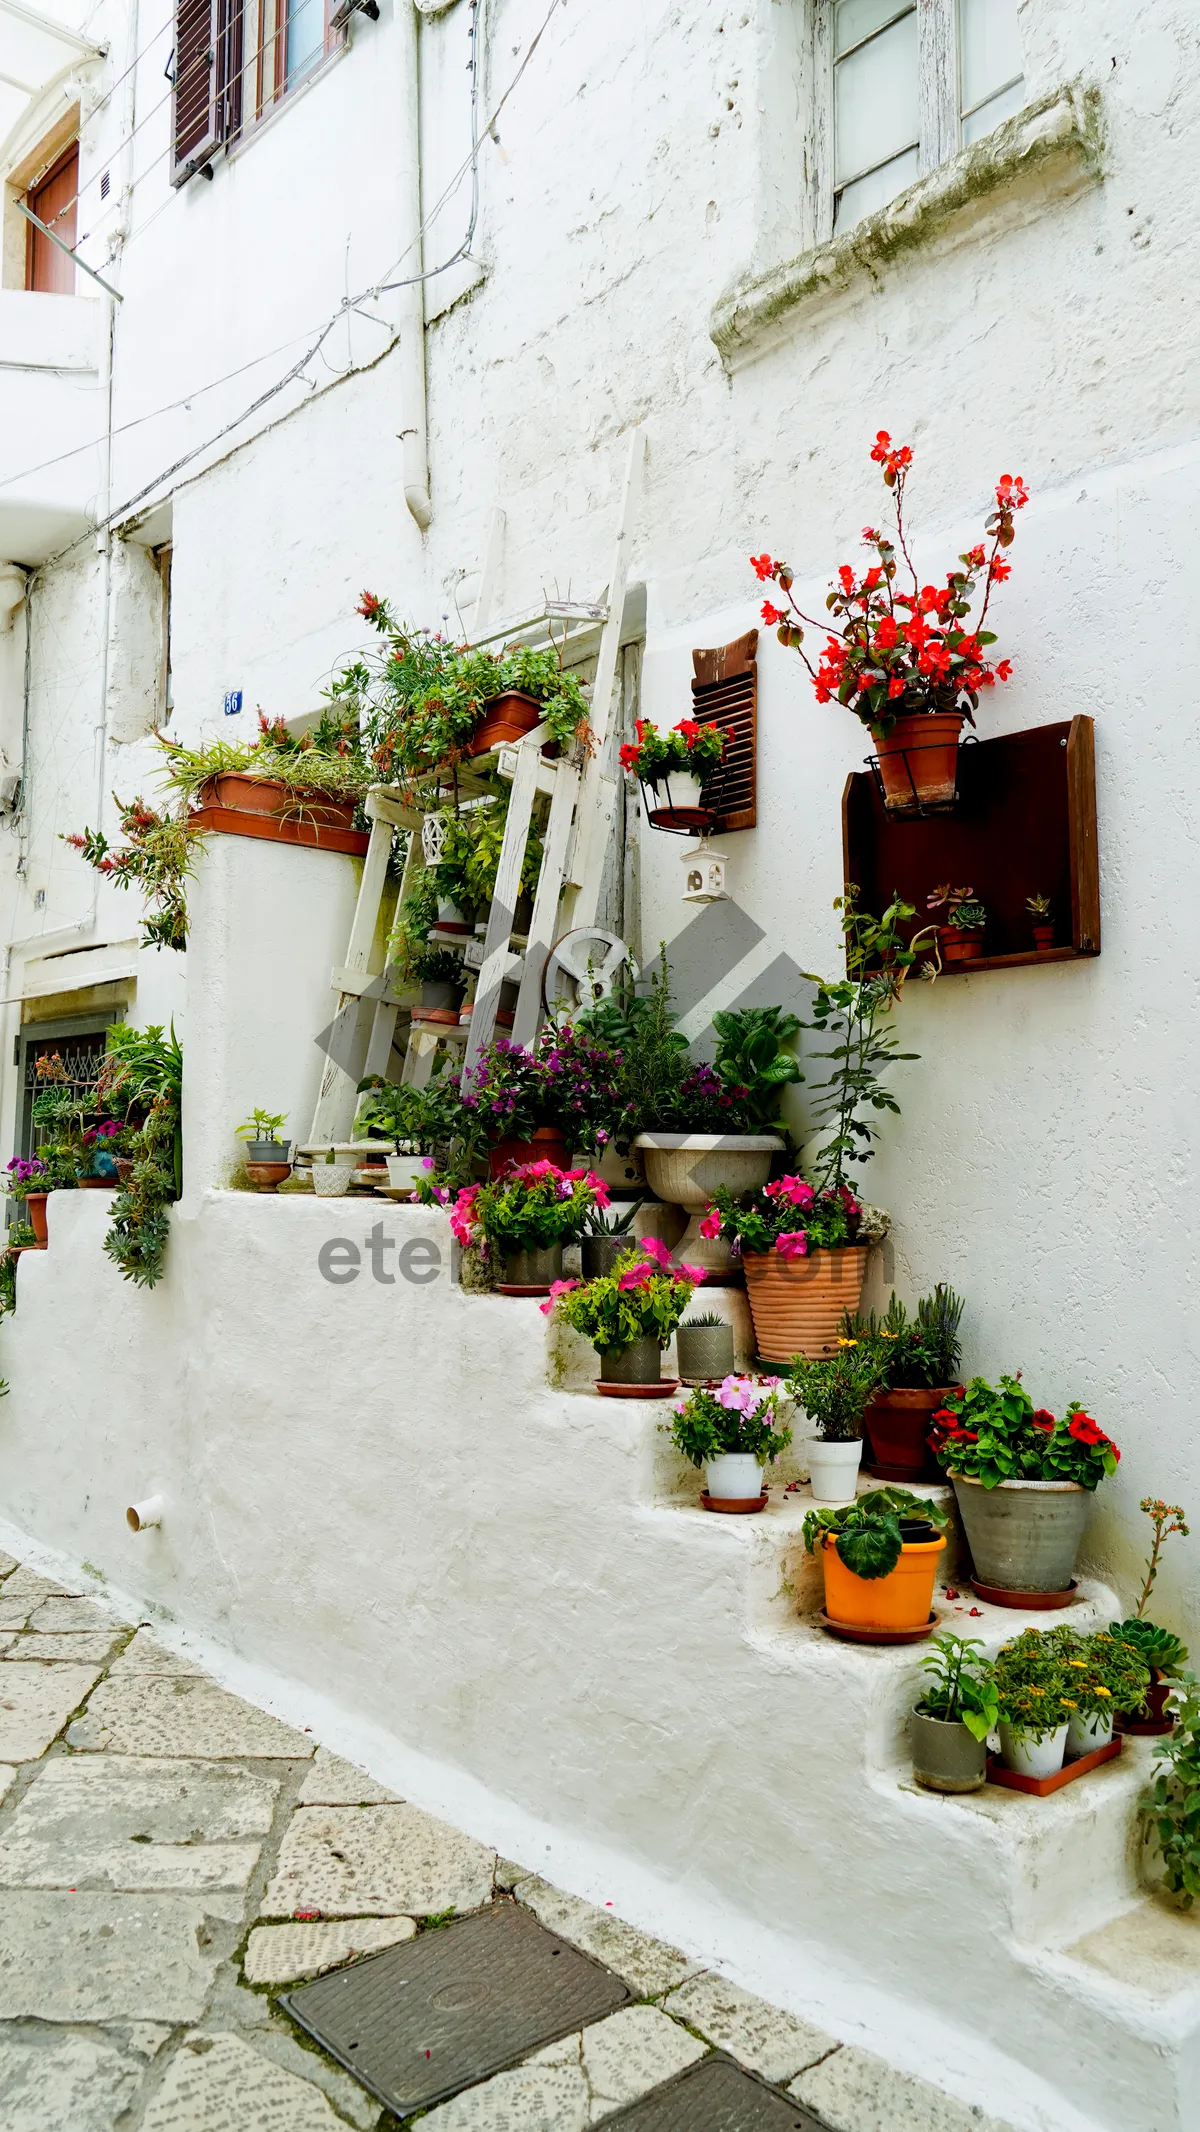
523, 1218
1164, 1653
834, 1391
1170, 1810
629, 1314
957, 1709
1105, 1675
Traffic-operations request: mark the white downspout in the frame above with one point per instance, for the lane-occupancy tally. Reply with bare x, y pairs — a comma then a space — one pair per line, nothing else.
414, 434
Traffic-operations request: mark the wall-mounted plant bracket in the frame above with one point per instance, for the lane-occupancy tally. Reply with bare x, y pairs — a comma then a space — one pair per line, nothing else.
1025, 825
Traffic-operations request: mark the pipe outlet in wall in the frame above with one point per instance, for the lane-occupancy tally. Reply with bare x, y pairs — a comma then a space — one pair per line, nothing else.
140, 1516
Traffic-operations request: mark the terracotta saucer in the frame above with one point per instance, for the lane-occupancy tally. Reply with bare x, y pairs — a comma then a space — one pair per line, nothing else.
517, 1288
662, 1390
1153, 1728
394, 1191
1029, 1602
856, 1632
734, 1506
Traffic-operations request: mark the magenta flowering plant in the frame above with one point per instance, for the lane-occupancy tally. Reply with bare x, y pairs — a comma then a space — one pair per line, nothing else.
571, 1081
27, 1175
645, 1295
527, 1209
788, 1216
739, 1415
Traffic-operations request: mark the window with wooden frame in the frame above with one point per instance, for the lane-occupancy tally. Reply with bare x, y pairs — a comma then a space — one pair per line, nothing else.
53, 200
233, 62
909, 83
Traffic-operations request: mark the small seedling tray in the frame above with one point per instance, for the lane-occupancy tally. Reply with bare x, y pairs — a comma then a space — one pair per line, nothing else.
1041, 1787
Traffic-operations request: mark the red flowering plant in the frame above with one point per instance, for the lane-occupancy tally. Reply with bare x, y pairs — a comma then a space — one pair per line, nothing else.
891, 653
528, 1209
690, 747
787, 1216
995, 1433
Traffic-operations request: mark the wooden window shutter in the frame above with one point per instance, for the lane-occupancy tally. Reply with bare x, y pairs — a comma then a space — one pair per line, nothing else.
197, 102
725, 693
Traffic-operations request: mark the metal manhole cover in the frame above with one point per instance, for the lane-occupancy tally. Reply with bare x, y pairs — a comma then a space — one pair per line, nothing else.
714, 2096
438, 2013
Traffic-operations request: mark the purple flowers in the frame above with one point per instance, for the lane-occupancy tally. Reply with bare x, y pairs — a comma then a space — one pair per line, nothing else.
22, 1172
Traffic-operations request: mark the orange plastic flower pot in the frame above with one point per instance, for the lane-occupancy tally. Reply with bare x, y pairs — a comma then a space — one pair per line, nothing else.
901, 1600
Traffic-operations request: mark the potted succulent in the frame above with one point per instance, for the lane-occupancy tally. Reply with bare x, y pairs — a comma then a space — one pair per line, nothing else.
1024, 1483
879, 1555
909, 663
267, 1162
957, 1709
606, 1237
733, 1430
1104, 1675
960, 939
804, 1255
1163, 1652
523, 1218
29, 1180
629, 1316
920, 1358
1043, 929
1033, 1689
675, 771
834, 1391
704, 1348
333, 1167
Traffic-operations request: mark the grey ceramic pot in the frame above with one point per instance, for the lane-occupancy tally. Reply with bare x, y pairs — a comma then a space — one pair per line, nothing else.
1023, 1535
267, 1150
439, 995
534, 1269
946, 1757
599, 1254
639, 1364
704, 1351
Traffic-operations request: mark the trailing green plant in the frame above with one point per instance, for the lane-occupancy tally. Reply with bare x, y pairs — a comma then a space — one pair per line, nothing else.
644, 1296
993, 1434
961, 1689
752, 1059
473, 842
868, 1531
527, 1209
919, 1353
1033, 1684
836, 1389
740, 1415
156, 856
854, 1010
261, 1125
439, 966
1105, 1674
1170, 1810
142, 1073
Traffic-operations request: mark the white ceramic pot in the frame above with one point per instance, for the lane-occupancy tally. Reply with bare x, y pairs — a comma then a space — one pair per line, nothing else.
686, 1168
331, 1180
1031, 1757
1085, 1734
404, 1171
736, 1478
833, 1469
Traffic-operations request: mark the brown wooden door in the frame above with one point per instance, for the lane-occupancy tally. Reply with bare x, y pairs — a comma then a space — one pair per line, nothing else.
53, 201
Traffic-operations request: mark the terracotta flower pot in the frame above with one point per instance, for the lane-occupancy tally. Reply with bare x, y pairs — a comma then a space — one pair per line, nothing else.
268, 1176
1043, 938
959, 943
797, 1303
901, 1600
547, 1143
506, 718
268, 795
897, 1425
918, 761
36, 1205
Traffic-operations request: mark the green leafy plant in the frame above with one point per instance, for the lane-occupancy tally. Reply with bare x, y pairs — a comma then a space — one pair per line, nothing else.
439, 966
836, 1389
961, 1689
1170, 1810
262, 1125
418, 1119
788, 1216
854, 1010
156, 856
646, 1294
752, 1058
1105, 1673
869, 1532
993, 1434
918, 1353
739, 1415
527, 1209
142, 1072
693, 748
1033, 1684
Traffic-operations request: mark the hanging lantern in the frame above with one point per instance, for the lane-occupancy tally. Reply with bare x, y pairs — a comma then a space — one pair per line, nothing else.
433, 838
704, 874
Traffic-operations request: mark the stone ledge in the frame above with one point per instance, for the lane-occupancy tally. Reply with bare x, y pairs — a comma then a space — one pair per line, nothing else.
1063, 127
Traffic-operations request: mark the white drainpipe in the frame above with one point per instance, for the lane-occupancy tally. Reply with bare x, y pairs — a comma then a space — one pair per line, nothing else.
414, 434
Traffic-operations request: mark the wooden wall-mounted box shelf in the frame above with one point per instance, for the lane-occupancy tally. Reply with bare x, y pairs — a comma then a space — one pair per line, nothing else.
1024, 825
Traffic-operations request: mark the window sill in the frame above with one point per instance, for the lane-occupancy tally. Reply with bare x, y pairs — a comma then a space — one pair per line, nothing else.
1061, 129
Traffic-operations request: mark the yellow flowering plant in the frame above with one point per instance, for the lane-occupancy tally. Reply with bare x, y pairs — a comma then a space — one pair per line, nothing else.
1033, 1685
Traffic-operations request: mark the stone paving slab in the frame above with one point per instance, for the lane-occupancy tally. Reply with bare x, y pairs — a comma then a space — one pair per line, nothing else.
7, 1564
143, 1655
219, 2084
759, 2036
14, 1613
332, 1782
625, 2056
105, 1957
532, 2098
648, 1966
8, 1777
78, 1647
55, 1616
63, 2083
179, 1716
27, 1584
35, 1703
856, 2092
378, 1861
130, 1824
283, 1954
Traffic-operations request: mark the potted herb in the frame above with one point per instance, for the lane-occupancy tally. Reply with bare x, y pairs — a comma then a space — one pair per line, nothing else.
960, 939
834, 1390
523, 1218
920, 1358
1169, 1810
676, 770
879, 1555
704, 1348
606, 1238
909, 664
440, 972
1035, 1704
1043, 930
630, 1314
265, 1151
414, 1121
333, 1166
1163, 1652
733, 1430
1104, 1675
1024, 1483
958, 1708
29, 1180
804, 1256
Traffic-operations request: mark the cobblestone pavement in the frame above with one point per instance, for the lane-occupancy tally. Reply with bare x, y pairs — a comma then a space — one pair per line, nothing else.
158, 1837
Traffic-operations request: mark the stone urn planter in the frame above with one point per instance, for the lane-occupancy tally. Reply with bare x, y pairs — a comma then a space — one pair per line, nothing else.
946, 1756
705, 1353
797, 1303
1023, 1535
687, 1168
918, 761
896, 1425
